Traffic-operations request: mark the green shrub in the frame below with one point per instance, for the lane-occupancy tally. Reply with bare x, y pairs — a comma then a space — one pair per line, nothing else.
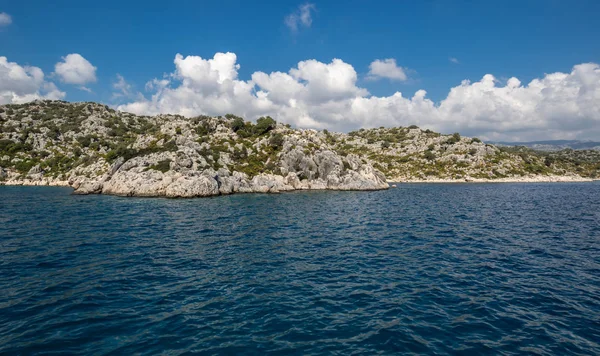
25, 165
276, 141
244, 133
237, 124
10, 147
239, 154
162, 166
202, 130
120, 151
453, 139
86, 141
264, 125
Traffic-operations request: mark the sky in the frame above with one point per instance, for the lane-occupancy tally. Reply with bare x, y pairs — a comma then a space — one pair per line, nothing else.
499, 70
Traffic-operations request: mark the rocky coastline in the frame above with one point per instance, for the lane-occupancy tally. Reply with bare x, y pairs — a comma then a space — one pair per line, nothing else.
97, 150
134, 178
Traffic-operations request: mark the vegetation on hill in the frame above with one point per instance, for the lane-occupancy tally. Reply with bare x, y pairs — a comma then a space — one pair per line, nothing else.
61, 139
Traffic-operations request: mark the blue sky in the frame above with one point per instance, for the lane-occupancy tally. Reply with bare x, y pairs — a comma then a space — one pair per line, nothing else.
139, 40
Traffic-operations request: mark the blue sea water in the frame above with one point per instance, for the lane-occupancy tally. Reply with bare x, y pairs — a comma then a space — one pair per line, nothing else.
424, 269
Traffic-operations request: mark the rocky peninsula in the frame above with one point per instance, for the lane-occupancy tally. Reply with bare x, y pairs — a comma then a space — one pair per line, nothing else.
97, 150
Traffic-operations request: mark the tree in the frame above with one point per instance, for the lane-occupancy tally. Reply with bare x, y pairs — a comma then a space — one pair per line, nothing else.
264, 125
237, 124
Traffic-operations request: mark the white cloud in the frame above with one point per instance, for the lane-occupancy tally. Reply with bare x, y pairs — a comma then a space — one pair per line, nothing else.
325, 95
302, 17
453, 60
74, 69
124, 91
19, 84
386, 68
5, 19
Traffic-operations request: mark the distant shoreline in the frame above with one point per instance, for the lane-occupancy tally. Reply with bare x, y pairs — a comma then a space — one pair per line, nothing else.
533, 179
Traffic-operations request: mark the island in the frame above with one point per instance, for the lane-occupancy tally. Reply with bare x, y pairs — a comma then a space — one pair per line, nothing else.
97, 150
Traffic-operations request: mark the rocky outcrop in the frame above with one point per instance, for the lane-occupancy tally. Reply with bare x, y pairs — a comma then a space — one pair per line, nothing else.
134, 178
97, 150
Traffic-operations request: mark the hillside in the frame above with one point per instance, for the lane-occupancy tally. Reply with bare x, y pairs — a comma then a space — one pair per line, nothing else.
96, 149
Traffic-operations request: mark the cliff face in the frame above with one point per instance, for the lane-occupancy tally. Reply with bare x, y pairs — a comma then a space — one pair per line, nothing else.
95, 149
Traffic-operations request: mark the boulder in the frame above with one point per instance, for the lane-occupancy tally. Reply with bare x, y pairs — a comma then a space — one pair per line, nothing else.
192, 186
89, 188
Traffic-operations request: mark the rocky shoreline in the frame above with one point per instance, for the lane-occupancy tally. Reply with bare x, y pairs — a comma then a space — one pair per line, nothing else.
133, 177
97, 150
199, 186
273, 184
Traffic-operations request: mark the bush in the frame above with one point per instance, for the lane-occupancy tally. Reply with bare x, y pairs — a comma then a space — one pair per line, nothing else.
239, 154
120, 151
243, 133
10, 147
453, 139
430, 156
6, 144
237, 124
264, 125
85, 141
276, 141
412, 127
25, 166
162, 166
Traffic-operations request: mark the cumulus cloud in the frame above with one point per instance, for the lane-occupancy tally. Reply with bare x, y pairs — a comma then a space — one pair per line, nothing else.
302, 17
386, 68
5, 19
314, 94
19, 84
453, 60
74, 69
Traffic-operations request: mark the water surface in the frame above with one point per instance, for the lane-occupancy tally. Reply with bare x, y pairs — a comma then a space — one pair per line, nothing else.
446, 269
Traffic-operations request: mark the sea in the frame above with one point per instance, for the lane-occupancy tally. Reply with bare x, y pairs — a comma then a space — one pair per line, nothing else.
501, 269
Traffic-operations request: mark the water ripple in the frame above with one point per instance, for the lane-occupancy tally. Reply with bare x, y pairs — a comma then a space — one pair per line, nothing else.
437, 269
